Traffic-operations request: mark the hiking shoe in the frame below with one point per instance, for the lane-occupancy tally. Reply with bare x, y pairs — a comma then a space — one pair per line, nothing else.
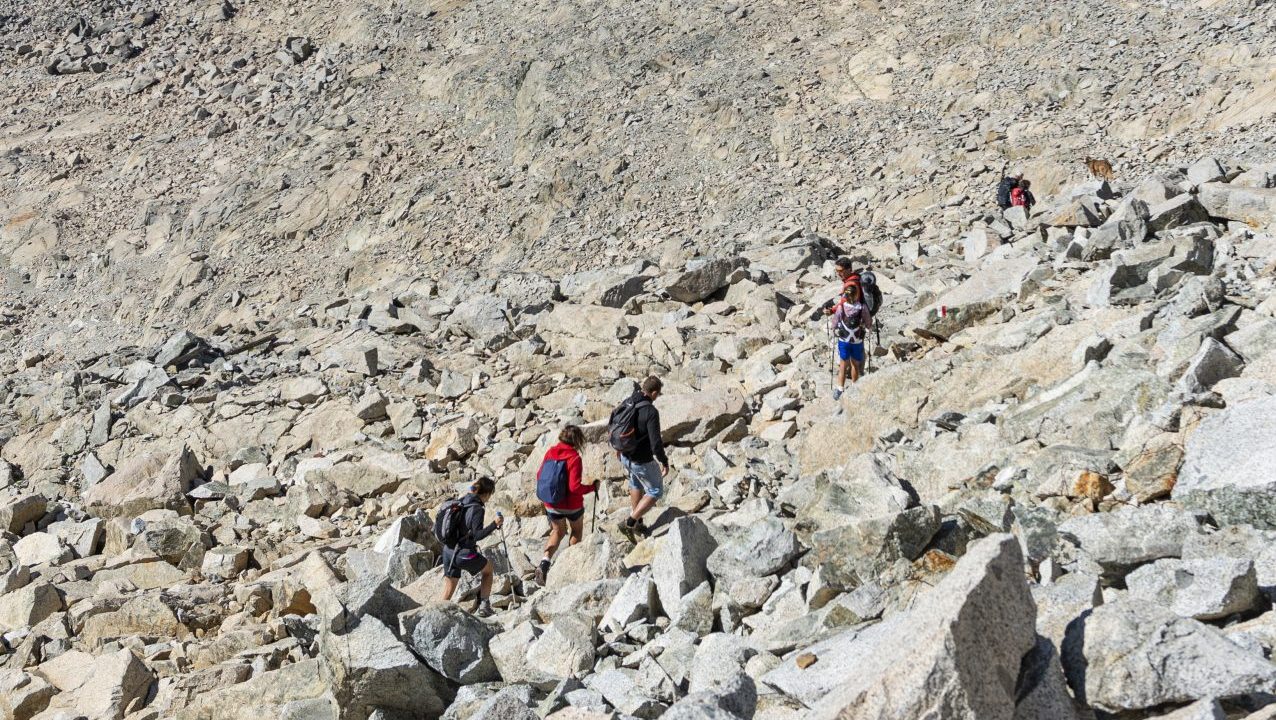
640, 529
484, 611
837, 393
542, 571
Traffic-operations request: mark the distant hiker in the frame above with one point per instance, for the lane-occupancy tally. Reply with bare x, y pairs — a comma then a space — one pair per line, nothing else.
1022, 197
559, 486
850, 321
1005, 188
634, 432
459, 526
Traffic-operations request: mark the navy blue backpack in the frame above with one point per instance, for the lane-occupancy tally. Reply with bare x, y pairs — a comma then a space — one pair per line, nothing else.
551, 481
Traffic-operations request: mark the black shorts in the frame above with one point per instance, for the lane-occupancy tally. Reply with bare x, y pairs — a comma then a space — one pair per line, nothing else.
568, 515
454, 561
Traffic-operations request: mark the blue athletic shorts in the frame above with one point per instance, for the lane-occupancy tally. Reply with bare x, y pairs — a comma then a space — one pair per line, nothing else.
848, 350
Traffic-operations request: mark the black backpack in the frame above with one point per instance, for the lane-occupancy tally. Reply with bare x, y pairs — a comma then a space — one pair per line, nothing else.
449, 524
622, 428
872, 294
1003, 191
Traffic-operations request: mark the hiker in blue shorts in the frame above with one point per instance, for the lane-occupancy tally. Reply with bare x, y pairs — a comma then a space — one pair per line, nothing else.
851, 321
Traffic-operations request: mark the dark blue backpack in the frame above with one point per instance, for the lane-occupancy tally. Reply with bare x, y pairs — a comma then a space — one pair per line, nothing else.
551, 482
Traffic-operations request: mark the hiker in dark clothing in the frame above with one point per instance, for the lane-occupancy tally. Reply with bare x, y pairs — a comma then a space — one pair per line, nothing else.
647, 464
465, 556
1005, 188
1021, 196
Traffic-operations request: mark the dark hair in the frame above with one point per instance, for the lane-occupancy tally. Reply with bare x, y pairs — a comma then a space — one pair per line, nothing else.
859, 292
483, 486
844, 262
1025, 183
652, 385
572, 435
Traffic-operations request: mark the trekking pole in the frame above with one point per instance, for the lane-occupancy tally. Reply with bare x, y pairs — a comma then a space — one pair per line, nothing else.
509, 562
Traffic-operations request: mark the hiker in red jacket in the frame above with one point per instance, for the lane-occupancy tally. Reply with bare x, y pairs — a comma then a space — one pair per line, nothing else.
569, 512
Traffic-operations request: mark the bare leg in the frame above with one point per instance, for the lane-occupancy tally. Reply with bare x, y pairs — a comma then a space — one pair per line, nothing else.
485, 585
645, 503
578, 530
449, 587
841, 373
557, 529
857, 369
635, 497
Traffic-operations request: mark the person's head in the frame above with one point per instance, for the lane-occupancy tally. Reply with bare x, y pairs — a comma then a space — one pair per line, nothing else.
571, 435
844, 267
484, 487
1025, 184
652, 386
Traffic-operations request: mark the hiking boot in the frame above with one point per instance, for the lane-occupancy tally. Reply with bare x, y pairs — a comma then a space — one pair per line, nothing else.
627, 530
837, 393
482, 608
641, 530
542, 571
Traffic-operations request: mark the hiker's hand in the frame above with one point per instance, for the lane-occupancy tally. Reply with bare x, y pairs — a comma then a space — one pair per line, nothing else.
664, 470
500, 520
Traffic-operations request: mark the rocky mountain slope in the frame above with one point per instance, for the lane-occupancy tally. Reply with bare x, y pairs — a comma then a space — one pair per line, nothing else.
230, 162
280, 279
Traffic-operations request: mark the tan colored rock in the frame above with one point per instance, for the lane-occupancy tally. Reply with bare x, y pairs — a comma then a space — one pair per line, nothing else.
28, 605
146, 615
157, 480
16, 512
41, 548
98, 688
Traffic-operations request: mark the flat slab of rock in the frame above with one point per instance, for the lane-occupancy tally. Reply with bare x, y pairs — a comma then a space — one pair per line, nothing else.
1133, 654
1227, 469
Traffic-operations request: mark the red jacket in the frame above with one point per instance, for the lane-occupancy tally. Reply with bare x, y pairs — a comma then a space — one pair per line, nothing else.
576, 490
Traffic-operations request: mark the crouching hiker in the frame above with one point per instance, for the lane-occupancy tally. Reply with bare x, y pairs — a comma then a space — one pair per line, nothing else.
851, 321
559, 486
459, 527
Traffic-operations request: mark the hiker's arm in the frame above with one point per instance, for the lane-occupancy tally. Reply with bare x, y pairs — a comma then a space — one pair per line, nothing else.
475, 522
866, 317
653, 434
575, 472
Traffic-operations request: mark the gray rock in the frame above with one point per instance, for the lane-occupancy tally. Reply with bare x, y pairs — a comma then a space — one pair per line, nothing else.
452, 642
609, 287
1205, 170
624, 694
1250, 205
1061, 602
1204, 588
1042, 688
1241, 542
368, 668
856, 553
701, 278
1127, 537
1175, 212
1132, 655
636, 600
509, 703
760, 549
1227, 466
966, 639
1212, 363
679, 566
1208, 709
